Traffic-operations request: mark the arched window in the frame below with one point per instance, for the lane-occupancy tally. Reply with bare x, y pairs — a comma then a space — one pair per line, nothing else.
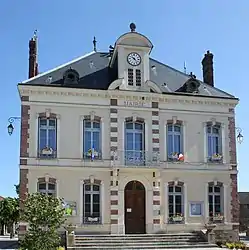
134, 143
92, 208
92, 140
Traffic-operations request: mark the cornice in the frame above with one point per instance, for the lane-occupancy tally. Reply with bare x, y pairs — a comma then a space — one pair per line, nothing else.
125, 95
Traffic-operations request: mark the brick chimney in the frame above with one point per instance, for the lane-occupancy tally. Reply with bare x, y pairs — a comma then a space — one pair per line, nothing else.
208, 69
33, 65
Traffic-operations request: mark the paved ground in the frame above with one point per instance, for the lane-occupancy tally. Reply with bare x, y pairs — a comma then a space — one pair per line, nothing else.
7, 243
12, 244
244, 238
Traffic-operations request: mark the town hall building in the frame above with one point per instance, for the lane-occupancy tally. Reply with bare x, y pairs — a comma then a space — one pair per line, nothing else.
131, 144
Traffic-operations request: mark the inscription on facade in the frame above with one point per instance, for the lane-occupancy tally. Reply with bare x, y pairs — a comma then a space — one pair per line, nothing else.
135, 104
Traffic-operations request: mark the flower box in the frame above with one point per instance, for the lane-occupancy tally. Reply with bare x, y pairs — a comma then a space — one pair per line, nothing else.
218, 218
216, 157
47, 151
177, 219
176, 157
92, 219
94, 153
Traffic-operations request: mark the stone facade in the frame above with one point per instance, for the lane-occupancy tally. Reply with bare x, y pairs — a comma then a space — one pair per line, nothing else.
114, 174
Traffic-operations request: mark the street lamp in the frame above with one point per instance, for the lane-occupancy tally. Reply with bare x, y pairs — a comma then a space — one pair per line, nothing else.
239, 136
11, 121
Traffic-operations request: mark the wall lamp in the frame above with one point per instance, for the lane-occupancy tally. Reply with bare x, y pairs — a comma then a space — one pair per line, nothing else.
11, 120
239, 136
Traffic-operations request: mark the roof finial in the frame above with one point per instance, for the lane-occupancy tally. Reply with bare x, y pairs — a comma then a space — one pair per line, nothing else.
133, 27
185, 67
35, 35
94, 44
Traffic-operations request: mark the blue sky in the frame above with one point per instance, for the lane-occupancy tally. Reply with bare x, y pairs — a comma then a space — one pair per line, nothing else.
180, 31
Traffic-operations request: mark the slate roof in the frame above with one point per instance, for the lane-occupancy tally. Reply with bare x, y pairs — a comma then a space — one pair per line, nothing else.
244, 198
95, 73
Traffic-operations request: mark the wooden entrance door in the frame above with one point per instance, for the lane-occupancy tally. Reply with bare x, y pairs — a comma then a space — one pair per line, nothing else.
134, 208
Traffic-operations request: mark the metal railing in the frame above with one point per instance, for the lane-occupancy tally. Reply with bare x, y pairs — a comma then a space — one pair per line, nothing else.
136, 158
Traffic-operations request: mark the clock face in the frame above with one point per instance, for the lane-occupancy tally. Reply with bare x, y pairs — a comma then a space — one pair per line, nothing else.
134, 59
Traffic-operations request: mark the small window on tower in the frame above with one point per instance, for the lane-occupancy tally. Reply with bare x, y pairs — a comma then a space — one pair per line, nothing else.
138, 77
130, 77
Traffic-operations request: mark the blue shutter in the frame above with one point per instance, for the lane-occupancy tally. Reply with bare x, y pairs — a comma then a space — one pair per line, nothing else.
216, 144
170, 148
129, 141
96, 141
177, 143
210, 146
87, 140
138, 141
42, 139
52, 138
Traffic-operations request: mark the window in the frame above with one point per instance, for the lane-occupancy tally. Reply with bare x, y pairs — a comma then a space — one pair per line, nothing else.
134, 143
138, 77
71, 76
47, 145
215, 201
175, 202
92, 142
214, 143
130, 77
91, 203
47, 188
174, 142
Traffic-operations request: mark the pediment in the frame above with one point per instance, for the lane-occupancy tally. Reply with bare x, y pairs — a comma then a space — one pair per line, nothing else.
134, 39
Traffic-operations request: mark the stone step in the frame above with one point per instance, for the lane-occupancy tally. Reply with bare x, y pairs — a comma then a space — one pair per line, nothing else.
141, 242
138, 243
136, 235
140, 239
124, 247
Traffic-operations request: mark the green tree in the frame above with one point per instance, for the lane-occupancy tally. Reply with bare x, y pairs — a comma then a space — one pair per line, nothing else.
44, 215
9, 213
17, 187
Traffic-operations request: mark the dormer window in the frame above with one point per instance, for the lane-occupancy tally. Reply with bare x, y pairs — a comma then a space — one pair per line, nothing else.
130, 77
71, 76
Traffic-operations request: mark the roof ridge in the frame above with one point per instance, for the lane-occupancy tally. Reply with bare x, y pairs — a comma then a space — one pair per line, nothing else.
59, 67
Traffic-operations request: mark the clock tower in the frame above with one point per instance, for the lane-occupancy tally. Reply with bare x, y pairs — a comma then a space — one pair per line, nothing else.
131, 56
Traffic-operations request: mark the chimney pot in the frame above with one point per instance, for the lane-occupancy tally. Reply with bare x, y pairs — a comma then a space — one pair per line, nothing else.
33, 65
207, 68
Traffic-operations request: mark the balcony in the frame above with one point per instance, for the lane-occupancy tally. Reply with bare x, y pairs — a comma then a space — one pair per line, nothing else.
137, 158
